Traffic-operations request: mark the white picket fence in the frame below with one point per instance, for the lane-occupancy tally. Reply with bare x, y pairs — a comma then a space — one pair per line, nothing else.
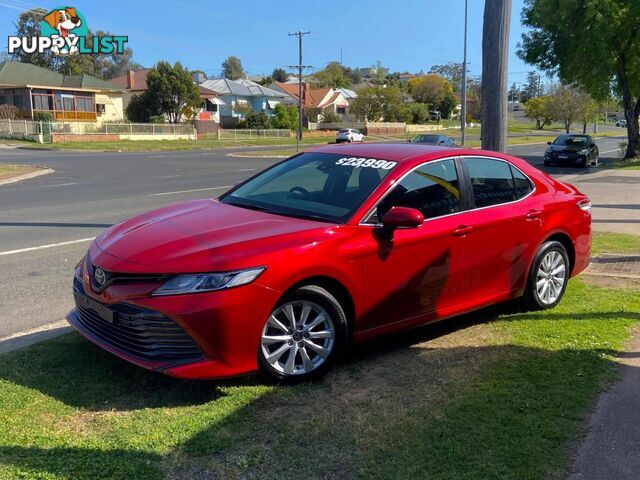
247, 134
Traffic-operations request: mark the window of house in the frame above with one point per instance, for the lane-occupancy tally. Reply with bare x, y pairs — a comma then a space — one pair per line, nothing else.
341, 110
431, 188
100, 108
491, 181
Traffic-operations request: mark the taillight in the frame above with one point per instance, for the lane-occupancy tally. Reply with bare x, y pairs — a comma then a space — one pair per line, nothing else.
584, 205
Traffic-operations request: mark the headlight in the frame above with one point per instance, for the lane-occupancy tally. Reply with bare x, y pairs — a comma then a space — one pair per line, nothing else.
583, 152
207, 282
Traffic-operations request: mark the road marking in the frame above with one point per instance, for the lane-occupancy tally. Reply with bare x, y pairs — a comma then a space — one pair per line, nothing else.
611, 151
171, 176
248, 170
157, 156
42, 247
189, 191
60, 185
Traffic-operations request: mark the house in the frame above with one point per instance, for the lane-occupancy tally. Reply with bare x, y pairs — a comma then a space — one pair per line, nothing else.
316, 102
68, 98
237, 95
405, 77
135, 82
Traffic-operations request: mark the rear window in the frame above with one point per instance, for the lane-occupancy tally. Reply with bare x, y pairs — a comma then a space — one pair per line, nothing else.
569, 140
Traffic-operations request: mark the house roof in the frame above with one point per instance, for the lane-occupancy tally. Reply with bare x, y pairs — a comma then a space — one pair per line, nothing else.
27, 74
348, 94
139, 80
313, 97
242, 88
139, 84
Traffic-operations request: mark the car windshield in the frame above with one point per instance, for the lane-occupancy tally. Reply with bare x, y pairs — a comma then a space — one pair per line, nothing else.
317, 186
344, 131
571, 140
432, 139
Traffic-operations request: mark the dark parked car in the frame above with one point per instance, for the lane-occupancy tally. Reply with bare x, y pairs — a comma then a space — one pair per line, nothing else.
580, 150
434, 139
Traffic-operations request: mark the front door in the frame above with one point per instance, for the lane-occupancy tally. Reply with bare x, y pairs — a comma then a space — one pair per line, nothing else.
421, 271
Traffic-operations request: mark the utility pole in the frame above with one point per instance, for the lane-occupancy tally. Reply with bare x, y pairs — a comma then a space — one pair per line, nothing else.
463, 96
495, 49
299, 34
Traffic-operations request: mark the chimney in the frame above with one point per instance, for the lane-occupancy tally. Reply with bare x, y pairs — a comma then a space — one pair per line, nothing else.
131, 79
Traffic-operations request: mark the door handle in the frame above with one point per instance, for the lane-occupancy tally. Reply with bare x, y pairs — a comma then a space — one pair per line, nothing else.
462, 230
533, 214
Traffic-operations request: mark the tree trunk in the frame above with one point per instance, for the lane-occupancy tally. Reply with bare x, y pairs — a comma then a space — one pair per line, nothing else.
584, 128
495, 45
631, 111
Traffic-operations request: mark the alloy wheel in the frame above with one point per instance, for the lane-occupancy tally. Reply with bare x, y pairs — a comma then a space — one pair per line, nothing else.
298, 337
551, 277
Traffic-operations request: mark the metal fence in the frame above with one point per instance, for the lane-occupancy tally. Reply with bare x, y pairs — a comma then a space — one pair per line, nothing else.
18, 128
247, 134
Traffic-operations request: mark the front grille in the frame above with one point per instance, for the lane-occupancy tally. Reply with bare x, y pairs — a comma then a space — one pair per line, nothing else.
139, 332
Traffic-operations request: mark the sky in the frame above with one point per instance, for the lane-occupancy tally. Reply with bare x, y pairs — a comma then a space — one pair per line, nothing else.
405, 35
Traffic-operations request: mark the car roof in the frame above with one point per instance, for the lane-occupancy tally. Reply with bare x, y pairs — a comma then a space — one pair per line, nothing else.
397, 152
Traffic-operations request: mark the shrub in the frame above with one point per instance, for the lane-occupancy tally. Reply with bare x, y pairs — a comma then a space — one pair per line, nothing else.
256, 121
43, 117
157, 119
8, 112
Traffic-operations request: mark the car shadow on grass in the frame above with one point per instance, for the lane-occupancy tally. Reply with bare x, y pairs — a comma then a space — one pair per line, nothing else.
439, 401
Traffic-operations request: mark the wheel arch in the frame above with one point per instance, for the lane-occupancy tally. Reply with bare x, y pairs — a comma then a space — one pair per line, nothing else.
567, 243
335, 288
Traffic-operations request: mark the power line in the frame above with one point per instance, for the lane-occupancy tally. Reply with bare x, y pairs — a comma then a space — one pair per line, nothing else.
299, 34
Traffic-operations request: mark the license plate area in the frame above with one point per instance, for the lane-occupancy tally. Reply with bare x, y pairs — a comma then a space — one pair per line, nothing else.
103, 312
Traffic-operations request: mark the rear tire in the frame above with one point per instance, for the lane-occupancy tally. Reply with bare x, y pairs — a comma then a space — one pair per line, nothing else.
303, 337
548, 277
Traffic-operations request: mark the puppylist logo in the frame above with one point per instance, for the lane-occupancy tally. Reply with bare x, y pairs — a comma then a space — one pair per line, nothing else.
64, 31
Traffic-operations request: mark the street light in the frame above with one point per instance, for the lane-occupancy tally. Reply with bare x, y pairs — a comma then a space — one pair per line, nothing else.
463, 113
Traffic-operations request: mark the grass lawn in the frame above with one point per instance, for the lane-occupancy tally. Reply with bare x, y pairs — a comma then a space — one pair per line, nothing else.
494, 394
11, 171
614, 243
633, 164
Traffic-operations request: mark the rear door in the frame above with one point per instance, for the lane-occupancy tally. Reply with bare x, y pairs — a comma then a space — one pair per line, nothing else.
503, 224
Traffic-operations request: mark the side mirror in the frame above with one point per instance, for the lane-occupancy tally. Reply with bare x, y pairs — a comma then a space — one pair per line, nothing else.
409, 141
400, 217
548, 143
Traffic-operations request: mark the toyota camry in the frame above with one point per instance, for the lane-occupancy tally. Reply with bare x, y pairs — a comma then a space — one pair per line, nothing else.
334, 246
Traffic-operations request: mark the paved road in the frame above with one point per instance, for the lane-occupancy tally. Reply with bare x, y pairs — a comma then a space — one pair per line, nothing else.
90, 191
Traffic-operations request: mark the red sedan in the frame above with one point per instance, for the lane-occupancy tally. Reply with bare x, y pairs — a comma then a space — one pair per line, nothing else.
336, 245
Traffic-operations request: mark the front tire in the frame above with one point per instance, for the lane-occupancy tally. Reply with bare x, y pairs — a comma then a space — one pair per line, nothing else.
303, 337
548, 277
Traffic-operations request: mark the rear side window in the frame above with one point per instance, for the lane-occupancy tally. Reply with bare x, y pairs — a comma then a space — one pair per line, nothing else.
491, 181
523, 184
431, 188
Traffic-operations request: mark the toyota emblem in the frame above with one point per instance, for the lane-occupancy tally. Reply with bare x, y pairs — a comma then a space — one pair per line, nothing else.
100, 277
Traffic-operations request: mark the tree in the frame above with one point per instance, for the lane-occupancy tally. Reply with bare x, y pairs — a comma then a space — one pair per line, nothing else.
565, 105
333, 75
28, 25
532, 88
232, 68
9, 112
173, 89
142, 107
279, 75
285, 116
587, 109
378, 73
538, 109
435, 91
255, 121
599, 51
452, 72
373, 102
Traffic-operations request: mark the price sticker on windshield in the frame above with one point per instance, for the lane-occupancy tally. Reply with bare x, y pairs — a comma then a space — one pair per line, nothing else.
361, 162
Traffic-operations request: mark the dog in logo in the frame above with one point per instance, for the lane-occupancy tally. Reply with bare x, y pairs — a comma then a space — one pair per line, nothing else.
63, 20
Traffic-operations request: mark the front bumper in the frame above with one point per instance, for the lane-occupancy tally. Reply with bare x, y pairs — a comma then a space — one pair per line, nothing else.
207, 335
565, 159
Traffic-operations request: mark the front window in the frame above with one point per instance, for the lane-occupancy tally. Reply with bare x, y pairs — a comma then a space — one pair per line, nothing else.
431, 188
430, 139
319, 186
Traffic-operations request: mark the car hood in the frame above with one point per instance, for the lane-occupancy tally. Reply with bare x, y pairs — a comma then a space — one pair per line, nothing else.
204, 235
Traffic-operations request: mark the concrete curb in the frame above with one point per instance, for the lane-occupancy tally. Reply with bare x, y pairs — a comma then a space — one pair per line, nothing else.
26, 176
24, 339
246, 155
